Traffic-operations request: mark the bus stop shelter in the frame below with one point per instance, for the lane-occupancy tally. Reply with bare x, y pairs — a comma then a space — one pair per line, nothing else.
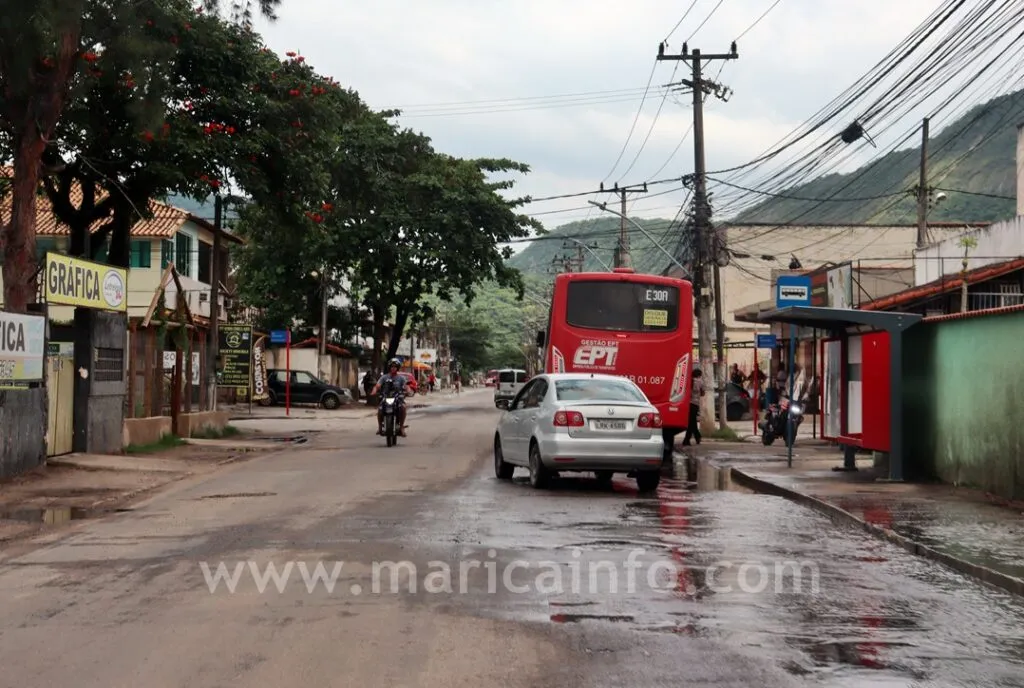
844, 322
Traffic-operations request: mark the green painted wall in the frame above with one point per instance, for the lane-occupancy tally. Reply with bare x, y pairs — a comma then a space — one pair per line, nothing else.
964, 402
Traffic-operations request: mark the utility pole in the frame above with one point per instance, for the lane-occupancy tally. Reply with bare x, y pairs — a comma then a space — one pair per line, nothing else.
922, 190
213, 346
623, 258
702, 214
323, 321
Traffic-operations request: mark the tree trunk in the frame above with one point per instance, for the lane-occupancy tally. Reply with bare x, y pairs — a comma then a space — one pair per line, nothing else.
19, 236
401, 319
378, 337
42, 102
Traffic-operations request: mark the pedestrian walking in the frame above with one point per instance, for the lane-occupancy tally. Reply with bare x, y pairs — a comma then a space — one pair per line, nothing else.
693, 425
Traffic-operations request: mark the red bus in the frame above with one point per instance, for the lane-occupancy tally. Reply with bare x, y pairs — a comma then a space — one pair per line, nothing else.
622, 323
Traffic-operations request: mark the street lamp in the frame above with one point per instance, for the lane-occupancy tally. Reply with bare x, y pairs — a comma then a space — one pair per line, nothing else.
604, 207
322, 274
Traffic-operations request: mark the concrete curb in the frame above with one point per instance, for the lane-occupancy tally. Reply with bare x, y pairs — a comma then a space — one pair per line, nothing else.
992, 577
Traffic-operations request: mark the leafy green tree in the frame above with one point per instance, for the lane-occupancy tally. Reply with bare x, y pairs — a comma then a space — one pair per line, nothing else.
470, 342
442, 239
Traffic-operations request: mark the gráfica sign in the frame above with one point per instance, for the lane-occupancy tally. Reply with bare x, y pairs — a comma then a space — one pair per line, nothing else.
76, 282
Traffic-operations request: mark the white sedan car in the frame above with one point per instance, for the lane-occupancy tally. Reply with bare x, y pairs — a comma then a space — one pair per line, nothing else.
580, 422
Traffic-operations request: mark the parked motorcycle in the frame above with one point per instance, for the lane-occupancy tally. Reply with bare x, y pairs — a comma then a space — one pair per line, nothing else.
775, 422
390, 402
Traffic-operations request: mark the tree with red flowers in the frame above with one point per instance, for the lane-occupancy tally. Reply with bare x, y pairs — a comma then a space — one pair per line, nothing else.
49, 50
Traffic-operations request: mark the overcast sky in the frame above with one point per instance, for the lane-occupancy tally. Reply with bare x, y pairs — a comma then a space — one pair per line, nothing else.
484, 78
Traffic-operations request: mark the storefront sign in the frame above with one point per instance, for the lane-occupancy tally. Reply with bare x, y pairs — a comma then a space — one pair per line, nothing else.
259, 371
235, 356
22, 348
77, 282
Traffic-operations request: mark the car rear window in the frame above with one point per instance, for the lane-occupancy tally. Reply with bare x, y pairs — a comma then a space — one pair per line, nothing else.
520, 377
507, 377
597, 390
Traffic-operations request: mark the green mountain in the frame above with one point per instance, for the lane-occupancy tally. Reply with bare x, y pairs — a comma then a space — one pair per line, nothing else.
976, 153
546, 254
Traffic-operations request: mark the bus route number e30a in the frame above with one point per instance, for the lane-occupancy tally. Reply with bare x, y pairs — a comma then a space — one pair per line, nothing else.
657, 296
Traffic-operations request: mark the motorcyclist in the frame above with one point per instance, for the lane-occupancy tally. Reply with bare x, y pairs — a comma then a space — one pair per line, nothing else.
398, 384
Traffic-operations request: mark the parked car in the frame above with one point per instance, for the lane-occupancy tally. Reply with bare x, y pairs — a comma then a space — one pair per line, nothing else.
737, 402
306, 388
578, 422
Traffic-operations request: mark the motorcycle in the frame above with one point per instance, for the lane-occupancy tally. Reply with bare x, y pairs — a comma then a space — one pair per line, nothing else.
390, 402
777, 419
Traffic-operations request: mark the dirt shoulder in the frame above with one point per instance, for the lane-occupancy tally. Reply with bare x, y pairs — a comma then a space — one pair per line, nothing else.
81, 486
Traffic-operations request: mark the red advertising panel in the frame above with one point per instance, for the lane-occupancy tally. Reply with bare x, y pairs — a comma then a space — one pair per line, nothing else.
876, 394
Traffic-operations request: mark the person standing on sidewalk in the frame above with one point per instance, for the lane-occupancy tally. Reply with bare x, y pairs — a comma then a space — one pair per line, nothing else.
693, 425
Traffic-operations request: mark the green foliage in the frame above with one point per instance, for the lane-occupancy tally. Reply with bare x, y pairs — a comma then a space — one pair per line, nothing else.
498, 329
542, 256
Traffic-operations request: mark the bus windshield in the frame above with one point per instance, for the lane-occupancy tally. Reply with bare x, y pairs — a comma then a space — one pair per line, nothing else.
622, 306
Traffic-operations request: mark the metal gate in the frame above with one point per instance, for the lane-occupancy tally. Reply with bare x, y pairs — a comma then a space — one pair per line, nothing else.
60, 381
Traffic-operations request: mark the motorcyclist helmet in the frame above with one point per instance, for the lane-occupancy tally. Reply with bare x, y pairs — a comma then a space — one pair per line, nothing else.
394, 365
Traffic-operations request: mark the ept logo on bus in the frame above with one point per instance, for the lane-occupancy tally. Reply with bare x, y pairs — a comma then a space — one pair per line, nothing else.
593, 351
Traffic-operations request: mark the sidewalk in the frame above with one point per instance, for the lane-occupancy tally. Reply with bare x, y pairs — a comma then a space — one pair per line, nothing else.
963, 528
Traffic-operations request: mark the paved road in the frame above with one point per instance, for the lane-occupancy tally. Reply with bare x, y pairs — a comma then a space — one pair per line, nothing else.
124, 601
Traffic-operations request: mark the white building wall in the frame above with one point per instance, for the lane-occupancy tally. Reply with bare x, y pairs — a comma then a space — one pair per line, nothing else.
997, 243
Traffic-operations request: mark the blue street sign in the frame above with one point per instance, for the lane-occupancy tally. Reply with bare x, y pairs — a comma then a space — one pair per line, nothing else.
792, 290
279, 336
766, 341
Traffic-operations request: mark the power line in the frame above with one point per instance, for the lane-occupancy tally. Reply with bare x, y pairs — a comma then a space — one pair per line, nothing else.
681, 20
515, 99
632, 128
528, 107
701, 25
654, 182
756, 22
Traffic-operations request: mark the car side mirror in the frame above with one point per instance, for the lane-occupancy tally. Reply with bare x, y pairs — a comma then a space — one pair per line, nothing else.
540, 339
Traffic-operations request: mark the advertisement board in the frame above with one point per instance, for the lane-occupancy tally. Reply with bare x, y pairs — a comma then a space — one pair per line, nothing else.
22, 349
832, 375
260, 383
426, 356
76, 282
235, 356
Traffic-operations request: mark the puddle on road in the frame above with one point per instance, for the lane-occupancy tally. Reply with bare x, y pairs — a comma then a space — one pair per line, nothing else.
55, 516
828, 604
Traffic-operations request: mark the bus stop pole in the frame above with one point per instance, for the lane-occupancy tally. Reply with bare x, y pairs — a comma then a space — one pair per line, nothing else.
792, 377
757, 385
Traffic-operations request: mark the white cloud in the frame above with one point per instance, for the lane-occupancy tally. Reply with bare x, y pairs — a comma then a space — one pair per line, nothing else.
404, 53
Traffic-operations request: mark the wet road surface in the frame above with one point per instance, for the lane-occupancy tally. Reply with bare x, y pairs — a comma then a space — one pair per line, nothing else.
121, 602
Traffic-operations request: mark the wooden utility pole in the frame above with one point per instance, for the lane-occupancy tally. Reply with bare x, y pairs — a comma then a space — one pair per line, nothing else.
623, 258
213, 346
922, 190
702, 217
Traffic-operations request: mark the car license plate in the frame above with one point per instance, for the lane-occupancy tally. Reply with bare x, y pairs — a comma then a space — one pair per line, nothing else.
609, 425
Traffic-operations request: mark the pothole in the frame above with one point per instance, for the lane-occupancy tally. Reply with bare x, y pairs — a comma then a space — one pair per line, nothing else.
238, 495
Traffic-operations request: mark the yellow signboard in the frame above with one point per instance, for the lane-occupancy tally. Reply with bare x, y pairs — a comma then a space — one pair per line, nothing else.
76, 282
654, 318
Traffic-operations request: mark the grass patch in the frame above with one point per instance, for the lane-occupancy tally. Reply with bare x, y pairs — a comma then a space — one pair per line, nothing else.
725, 434
217, 434
166, 441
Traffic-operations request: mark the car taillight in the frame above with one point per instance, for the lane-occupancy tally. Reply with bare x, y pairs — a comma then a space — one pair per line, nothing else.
568, 419
649, 420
